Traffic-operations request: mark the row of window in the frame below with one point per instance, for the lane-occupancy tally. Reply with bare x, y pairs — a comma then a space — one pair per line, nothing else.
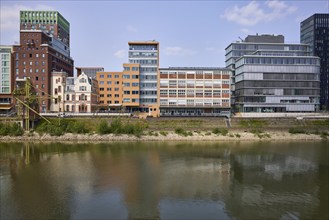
127, 68
195, 102
165, 83
196, 72
194, 92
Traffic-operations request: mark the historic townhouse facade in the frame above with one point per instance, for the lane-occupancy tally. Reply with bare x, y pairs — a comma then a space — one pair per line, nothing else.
73, 94
194, 91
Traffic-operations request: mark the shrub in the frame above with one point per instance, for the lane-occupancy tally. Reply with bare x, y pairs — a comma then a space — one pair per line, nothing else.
11, 129
16, 130
237, 135
215, 131
207, 133
297, 131
179, 131
116, 126
163, 133
103, 128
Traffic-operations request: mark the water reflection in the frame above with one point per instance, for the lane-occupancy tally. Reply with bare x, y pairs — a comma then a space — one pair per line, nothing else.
164, 181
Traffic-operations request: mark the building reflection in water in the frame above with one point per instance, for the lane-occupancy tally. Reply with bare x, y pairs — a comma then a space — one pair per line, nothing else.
161, 181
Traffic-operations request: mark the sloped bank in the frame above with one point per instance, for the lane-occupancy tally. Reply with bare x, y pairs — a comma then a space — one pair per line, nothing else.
170, 136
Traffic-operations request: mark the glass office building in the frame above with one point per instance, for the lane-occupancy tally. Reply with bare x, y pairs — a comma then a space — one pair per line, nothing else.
314, 31
273, 77
146, 54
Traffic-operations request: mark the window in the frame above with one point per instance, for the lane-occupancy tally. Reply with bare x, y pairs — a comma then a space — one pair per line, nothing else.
116, 95
134, 68
134, 92
116, 76
126, 100
108, 89
109, 76
126, 68
82, 88
126, 84
101, 76
126, 92
116, 89
126, 76
134, 84
101, 82
83, 80
109, 82
101, 89
109, 95
134, 76
117, 83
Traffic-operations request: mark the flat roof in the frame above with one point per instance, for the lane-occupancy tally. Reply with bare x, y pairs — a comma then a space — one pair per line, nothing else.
143, 42
196, 68
97, 67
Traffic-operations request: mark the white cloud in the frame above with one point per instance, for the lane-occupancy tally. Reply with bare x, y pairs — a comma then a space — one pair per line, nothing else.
178, 51
254, 12
246, 31
9, 15
131, 28
120, 54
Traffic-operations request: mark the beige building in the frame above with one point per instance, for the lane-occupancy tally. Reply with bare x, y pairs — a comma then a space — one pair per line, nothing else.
73, 94
119, 90
194, 91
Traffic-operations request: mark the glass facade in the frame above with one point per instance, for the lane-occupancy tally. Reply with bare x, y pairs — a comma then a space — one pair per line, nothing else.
273, 77
147, 55
315, 32
5, 70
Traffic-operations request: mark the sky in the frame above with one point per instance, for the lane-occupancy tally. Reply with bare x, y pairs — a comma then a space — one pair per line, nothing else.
191, 33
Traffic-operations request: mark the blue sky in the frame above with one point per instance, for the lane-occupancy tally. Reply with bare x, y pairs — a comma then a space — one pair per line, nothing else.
191, 33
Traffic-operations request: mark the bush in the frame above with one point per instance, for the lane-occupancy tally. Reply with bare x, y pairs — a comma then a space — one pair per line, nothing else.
297, 131
163, 133
116, 126
237, 135
11, 129
77, 127
179, 131
16, 130
103, 128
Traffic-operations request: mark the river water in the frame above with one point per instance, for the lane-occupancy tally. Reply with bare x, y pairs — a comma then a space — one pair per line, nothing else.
164, 180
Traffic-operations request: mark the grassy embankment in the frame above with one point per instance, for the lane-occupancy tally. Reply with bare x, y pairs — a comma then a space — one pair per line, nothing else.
261, 128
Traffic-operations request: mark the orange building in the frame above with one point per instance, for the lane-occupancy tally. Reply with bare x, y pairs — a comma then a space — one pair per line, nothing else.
119, 90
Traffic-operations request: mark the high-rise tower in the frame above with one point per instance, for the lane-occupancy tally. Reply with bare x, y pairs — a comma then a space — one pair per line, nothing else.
146, 54
315, 32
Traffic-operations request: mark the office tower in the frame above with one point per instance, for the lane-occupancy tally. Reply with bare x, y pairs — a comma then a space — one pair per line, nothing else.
89, 71
273, 77
41, 52
6, 79
146, 54
315, 32
194, 91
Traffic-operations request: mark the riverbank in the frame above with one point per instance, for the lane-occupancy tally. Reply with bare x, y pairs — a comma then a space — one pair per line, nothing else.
169, 136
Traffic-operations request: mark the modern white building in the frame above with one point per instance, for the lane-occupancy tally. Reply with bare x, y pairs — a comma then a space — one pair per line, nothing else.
271, 76
195, 91
146, 54
73, 94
